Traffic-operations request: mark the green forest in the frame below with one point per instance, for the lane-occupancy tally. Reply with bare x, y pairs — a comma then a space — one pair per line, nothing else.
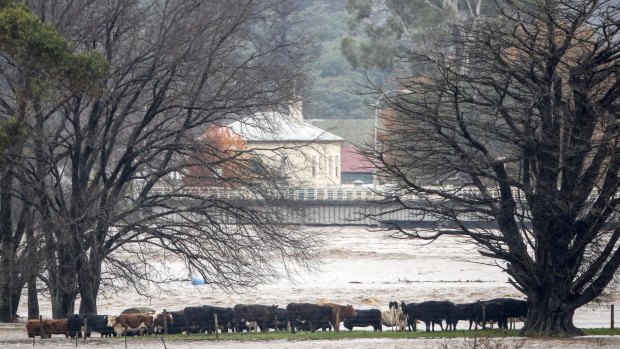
335, 89
361, 45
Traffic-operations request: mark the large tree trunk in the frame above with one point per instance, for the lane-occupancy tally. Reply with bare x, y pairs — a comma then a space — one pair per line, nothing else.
9, 276
9, 302
89, 280
32, 272
10, 293
89, 271
10, 287
6, 313
63, 304
549, 316
63, 283
88, 300
33, 300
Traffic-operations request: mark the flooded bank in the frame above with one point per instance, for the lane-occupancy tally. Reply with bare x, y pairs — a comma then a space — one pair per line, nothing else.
359, 267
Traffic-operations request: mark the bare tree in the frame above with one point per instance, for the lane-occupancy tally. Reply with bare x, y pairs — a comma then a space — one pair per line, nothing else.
107, 162
37, 64
524, 141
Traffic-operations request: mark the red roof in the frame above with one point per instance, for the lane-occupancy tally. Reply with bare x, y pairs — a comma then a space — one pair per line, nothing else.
352, 161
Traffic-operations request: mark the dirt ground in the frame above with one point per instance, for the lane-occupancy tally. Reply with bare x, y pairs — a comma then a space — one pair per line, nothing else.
155, 343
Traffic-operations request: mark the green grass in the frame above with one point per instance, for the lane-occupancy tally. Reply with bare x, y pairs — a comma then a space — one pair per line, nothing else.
320, 335
602, 332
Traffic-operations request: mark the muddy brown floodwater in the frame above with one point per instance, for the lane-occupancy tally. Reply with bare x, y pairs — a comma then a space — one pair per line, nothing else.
359, 267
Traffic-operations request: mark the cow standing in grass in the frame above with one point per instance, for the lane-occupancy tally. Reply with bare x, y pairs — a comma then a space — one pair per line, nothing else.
339, 313
394, 317
430, 312
464, 311
364, 318
141, 323
262, 314
50, 327
307, 313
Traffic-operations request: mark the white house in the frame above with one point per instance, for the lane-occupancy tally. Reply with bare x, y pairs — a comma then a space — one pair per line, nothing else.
305, 155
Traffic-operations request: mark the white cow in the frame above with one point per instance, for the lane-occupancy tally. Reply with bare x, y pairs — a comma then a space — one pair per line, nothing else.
394, 317
131, 323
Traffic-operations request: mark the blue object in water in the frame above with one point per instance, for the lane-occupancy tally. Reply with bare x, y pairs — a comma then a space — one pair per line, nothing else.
197, 280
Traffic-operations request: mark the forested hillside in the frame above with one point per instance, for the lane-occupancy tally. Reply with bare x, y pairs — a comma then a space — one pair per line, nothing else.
333, 84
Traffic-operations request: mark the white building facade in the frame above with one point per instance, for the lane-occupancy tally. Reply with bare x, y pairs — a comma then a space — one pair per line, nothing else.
303, 154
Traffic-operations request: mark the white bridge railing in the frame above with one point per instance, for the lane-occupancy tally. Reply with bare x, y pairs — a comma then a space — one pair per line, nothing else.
340, 193
346, 204
333, 193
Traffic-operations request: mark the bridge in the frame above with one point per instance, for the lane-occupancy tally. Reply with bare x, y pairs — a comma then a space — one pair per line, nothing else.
336, 205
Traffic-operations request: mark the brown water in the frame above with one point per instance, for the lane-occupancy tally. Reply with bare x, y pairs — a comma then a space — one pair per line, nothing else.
359, 267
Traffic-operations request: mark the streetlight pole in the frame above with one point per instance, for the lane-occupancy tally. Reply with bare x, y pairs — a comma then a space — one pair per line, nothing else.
377, 106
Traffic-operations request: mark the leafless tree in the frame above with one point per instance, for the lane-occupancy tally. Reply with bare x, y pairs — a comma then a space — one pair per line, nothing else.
105, 164
516, 148
37, 66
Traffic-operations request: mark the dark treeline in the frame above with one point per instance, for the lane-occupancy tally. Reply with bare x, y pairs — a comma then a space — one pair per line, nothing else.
101, 105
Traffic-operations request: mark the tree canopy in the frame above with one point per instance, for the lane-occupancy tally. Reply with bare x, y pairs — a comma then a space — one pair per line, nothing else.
518, 132
40, 69
390, 26
112, 96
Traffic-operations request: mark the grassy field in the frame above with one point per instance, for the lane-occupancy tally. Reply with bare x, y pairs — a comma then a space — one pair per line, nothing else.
368, 334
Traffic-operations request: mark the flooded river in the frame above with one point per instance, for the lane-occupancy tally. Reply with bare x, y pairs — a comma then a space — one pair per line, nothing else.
359, 267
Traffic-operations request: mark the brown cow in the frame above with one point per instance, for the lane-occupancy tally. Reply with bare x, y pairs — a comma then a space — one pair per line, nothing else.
131, 322
56, 326
339, 312
33, 328
158, 321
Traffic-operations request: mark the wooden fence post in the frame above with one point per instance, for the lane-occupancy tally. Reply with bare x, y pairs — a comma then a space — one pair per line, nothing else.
85, 328
337, 324
484, 316
165, 322
41, 325
612, 316
216, 326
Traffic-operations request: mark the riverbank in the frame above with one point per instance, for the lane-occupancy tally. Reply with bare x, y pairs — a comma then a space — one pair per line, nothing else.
487, 339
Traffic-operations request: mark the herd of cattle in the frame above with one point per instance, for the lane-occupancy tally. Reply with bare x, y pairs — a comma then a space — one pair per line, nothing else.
296, 317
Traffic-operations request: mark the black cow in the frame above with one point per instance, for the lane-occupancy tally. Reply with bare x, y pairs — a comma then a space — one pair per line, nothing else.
406, 309
74, 326
199, 319
490, 311
262, 314
430, 312
306, 326
178, 324
225, 318
513, 308
364, 318
98, 323
313, 314
280, 321
463, 311
202, 319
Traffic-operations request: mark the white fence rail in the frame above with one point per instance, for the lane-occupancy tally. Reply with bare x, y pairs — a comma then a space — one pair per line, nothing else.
334, 193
